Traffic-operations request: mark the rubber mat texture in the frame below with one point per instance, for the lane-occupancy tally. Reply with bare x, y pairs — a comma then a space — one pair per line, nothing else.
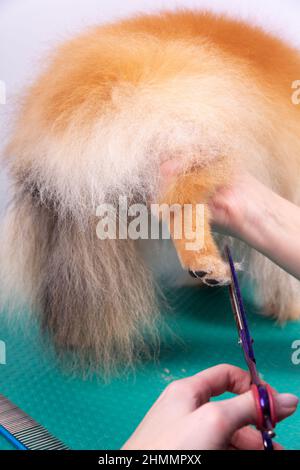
86, 413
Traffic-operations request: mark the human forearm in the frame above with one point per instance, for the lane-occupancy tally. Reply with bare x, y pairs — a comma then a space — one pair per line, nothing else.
263, 219
277, 233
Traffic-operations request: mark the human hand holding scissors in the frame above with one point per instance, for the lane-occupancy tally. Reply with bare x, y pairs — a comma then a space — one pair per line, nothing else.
265, 407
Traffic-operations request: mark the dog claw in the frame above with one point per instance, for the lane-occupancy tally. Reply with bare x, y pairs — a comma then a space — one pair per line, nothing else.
198, 274
211, 282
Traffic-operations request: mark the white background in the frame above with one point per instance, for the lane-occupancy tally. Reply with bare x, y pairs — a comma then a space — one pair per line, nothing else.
28, 28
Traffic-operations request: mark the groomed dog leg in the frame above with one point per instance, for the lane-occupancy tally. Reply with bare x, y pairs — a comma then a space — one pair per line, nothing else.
196, 248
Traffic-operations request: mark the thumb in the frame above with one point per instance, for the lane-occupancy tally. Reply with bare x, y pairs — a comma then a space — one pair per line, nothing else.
241, 410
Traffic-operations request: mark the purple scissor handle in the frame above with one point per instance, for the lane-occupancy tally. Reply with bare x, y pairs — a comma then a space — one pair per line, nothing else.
266, 417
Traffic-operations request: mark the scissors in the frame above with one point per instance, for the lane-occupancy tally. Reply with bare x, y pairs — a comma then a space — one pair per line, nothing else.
264, 401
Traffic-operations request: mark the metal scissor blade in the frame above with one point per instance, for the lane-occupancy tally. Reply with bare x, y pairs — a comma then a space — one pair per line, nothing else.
238, 308
262, 395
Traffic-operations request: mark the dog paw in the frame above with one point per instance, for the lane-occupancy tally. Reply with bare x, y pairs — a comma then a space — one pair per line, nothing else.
212, 271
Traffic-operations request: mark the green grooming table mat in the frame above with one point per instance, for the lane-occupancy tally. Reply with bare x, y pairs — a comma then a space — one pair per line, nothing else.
86, 413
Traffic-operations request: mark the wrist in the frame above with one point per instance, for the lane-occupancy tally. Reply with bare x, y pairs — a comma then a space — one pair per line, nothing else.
257, 227
264, 216
273, 229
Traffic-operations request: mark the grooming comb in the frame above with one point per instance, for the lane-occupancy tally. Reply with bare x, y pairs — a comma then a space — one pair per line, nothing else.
22, 431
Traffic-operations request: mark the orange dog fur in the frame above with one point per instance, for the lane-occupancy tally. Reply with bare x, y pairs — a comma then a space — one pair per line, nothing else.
111, 106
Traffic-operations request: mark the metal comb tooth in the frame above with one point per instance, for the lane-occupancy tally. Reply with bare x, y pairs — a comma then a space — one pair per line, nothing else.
25, 430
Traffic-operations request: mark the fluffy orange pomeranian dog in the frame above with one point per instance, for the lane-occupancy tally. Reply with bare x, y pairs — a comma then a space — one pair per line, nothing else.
111, 107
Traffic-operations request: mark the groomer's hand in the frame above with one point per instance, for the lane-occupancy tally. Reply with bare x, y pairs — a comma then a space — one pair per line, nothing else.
184, 418
237, 209
251, 211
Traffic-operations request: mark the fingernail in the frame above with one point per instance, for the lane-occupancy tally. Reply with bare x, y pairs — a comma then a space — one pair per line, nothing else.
287, 400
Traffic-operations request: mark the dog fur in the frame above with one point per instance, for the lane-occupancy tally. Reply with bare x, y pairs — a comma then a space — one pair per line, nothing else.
109, 108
